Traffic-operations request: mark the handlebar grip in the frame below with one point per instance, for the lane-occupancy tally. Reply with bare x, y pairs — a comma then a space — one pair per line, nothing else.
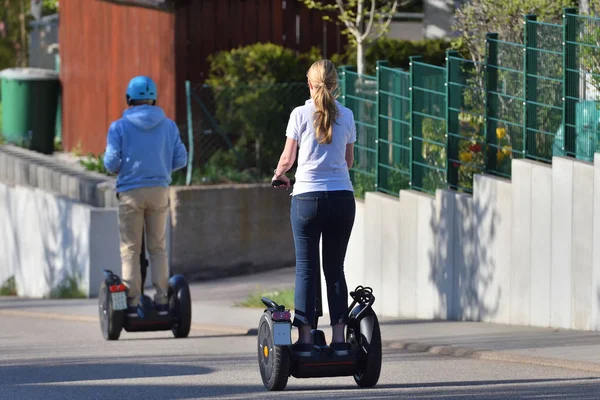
278, 182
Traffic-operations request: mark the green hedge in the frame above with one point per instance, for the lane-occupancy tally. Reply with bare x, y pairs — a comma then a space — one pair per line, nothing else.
253, 90
398, 53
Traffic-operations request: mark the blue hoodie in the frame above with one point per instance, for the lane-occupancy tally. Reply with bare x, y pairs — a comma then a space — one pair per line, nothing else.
144, 148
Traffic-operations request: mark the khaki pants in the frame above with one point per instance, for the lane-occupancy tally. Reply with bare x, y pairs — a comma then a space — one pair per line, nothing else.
137, 207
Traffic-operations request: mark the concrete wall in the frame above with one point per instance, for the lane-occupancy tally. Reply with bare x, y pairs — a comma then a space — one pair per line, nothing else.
519, 252
47, 239
23, 167
230, 229
213, 231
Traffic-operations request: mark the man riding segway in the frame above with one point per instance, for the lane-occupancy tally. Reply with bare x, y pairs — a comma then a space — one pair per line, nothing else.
144, 148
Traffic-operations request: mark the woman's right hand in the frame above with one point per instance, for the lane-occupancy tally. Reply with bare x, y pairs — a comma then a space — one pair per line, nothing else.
283, 179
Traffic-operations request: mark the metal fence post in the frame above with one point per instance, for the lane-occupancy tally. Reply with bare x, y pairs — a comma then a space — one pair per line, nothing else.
570, 81
190, 129
491, 103
453, 101
342, 83
380, 63
416, 177
530, 85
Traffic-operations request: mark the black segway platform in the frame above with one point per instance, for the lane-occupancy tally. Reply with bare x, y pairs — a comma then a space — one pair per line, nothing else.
277, 360
112, 301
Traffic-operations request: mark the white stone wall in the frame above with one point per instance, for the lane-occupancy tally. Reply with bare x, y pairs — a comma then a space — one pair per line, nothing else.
521, 252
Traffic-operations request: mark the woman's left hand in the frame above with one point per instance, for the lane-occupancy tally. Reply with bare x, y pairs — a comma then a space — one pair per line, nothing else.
282, 178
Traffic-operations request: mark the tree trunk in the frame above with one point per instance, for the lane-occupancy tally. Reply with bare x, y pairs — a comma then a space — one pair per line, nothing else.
360, 57
23, 45
584, 6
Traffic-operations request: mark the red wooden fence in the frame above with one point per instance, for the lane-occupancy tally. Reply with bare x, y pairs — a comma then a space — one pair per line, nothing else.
103, 45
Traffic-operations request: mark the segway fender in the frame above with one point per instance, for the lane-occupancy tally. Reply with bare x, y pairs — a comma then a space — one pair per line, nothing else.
111, 278
366, 322
366, 327
176, 283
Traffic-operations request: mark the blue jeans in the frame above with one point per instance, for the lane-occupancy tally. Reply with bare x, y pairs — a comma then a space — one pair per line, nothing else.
329, 215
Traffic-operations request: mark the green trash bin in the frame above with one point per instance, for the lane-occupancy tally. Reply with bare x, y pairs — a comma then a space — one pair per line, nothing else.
29, 107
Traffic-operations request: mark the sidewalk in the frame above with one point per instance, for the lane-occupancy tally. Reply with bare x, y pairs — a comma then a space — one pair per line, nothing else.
214, 314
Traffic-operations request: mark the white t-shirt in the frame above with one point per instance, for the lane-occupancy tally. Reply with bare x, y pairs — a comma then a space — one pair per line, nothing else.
321, 167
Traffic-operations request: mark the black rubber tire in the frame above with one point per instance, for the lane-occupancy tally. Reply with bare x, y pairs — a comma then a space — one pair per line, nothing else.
111, 321
180, 304
274, 364
369, 361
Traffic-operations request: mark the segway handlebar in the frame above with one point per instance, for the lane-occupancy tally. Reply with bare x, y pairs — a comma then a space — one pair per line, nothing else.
278, 182
364, 296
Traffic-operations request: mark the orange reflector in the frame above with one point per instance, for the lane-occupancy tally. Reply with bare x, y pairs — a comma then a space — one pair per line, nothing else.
117, 288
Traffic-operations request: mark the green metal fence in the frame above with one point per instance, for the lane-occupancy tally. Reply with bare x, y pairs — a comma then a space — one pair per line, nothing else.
435, 127
428, 124
360, 95
582, 63
466, 121
394, 140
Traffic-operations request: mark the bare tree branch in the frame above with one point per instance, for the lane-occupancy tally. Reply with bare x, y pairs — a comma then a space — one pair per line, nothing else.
351, 27
359, 15
370, 24
385, 26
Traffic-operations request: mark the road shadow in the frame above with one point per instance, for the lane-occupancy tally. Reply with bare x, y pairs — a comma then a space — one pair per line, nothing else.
33, 374
583, 389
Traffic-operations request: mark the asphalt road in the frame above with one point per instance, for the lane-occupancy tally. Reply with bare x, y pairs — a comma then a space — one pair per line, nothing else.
46, 358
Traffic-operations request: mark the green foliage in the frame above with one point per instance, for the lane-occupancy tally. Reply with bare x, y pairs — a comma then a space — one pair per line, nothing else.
281, 297
259, 63
358, 16
9, 288
471, 152
362, 183
255, 88
94, 163
589, 54
397, 52
68, 289
474, 19
14, 38
364, 20
433, 154
49, 7
220, 169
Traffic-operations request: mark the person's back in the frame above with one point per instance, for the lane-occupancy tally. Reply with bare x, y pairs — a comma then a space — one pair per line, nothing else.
322, 132
144, 148
321, 167
148, 141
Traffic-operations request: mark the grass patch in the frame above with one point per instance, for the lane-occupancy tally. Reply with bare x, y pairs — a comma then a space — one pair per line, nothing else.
281, 297
9, 288
68, 289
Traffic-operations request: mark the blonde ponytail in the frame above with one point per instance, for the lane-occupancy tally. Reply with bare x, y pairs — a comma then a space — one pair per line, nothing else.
323, 77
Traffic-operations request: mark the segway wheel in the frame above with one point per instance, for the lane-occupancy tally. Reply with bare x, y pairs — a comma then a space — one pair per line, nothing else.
273, 361
111, 321
180, 303
369, 357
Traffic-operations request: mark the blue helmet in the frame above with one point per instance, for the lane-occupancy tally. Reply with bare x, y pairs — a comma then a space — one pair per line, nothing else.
141, 88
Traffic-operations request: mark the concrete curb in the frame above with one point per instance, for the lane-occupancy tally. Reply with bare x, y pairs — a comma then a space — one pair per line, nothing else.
491, 355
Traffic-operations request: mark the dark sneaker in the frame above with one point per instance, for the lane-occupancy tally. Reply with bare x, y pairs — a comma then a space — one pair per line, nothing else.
341, 348
132, 312
302, 349
162, 309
